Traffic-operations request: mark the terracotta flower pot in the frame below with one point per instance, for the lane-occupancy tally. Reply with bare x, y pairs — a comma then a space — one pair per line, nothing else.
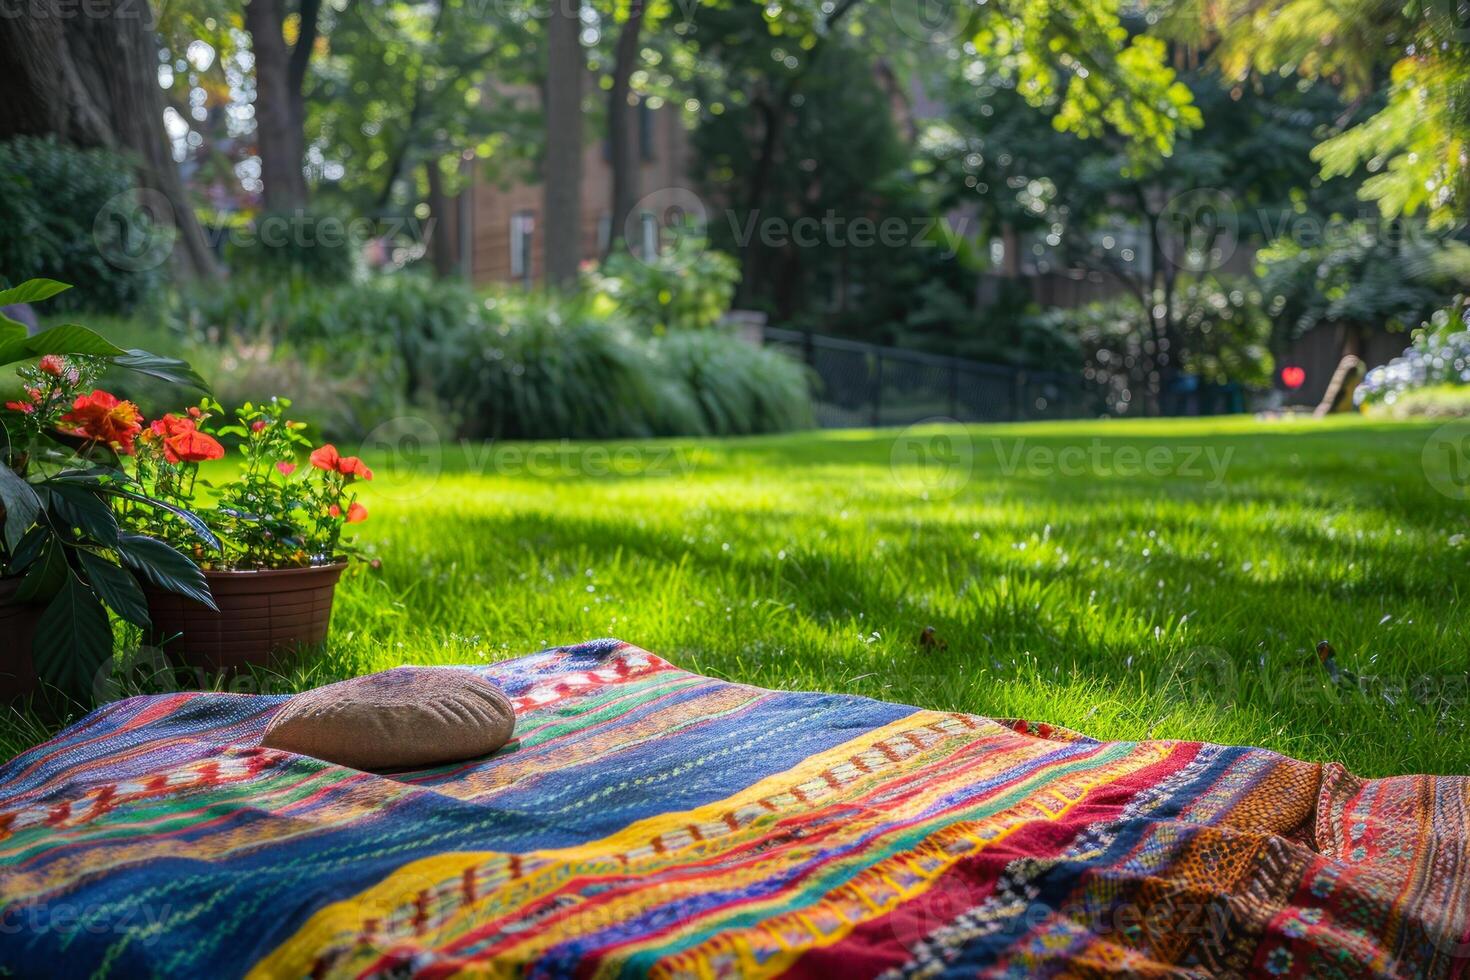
17, 629
261, 613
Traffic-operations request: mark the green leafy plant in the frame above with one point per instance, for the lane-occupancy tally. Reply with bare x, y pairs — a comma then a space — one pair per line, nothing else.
272, 513
739, 388
65, 212
60, 484
679, 289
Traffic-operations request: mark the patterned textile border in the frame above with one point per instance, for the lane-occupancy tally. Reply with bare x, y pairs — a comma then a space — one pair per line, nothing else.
650, 821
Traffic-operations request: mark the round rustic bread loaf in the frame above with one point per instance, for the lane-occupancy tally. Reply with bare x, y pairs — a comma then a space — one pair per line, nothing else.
405, 718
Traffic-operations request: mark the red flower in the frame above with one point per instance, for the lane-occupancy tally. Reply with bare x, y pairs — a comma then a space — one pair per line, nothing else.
183, 442
286, 468
327, 458
24, 407
171, 425
258, 425
334, 510
352, 466
356, 513
102, 417
192, 446
53, 365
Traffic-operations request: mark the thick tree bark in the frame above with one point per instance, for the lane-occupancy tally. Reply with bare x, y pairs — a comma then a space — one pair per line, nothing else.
622, 125
279, 137
563, 168
91, 80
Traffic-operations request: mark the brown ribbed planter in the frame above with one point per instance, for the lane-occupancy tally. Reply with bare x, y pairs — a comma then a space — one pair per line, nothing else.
17, 629
261, 613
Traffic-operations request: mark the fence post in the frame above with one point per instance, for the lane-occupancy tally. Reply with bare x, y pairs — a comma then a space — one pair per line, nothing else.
1018, 397
878, 393
954, 390
809, 349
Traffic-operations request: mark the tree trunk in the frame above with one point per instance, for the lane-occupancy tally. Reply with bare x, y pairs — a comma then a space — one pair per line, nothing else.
622, 126
563, 169
279, 139
92, 81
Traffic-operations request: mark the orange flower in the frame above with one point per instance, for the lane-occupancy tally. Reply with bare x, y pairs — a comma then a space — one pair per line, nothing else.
286, 468
334, 510
103, 417
53, 365
327, 458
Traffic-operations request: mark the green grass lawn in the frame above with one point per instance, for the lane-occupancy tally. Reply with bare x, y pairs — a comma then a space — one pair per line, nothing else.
1155, 580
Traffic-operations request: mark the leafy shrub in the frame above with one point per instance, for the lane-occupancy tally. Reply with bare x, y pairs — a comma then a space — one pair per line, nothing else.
739, 388
65, 213
682, 289
536, 366
1438, 402
1391, 276
509, 365
387, 320
343, 391
1221, 326
1438, 357
314, 246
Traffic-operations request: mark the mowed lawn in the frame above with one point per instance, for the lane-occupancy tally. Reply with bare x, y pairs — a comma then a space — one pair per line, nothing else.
1149, 579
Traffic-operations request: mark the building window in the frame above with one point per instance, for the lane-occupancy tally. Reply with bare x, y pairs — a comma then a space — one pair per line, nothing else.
648, 237
645, 132
604, 231
522, 238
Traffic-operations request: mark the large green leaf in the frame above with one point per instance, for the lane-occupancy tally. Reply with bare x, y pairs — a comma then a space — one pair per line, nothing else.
21, 506
46, 575
81, 508
32, 291
11, 330
188, 517
73, 639
116, 587
165, 567
69, 338
169, 369
30, 547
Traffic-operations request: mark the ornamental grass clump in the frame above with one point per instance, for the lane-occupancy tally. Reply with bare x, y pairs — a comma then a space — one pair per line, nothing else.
272, 513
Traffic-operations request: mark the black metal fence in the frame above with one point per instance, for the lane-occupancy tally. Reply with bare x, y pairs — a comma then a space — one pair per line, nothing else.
860, 384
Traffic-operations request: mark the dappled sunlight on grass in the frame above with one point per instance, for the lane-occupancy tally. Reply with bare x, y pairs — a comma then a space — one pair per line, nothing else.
1182, 604
1085, 599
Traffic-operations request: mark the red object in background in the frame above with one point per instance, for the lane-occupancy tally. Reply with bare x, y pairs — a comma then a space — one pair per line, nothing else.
1293, 376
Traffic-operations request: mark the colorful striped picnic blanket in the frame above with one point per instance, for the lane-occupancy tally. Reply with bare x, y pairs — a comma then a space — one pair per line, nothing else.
647, 820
